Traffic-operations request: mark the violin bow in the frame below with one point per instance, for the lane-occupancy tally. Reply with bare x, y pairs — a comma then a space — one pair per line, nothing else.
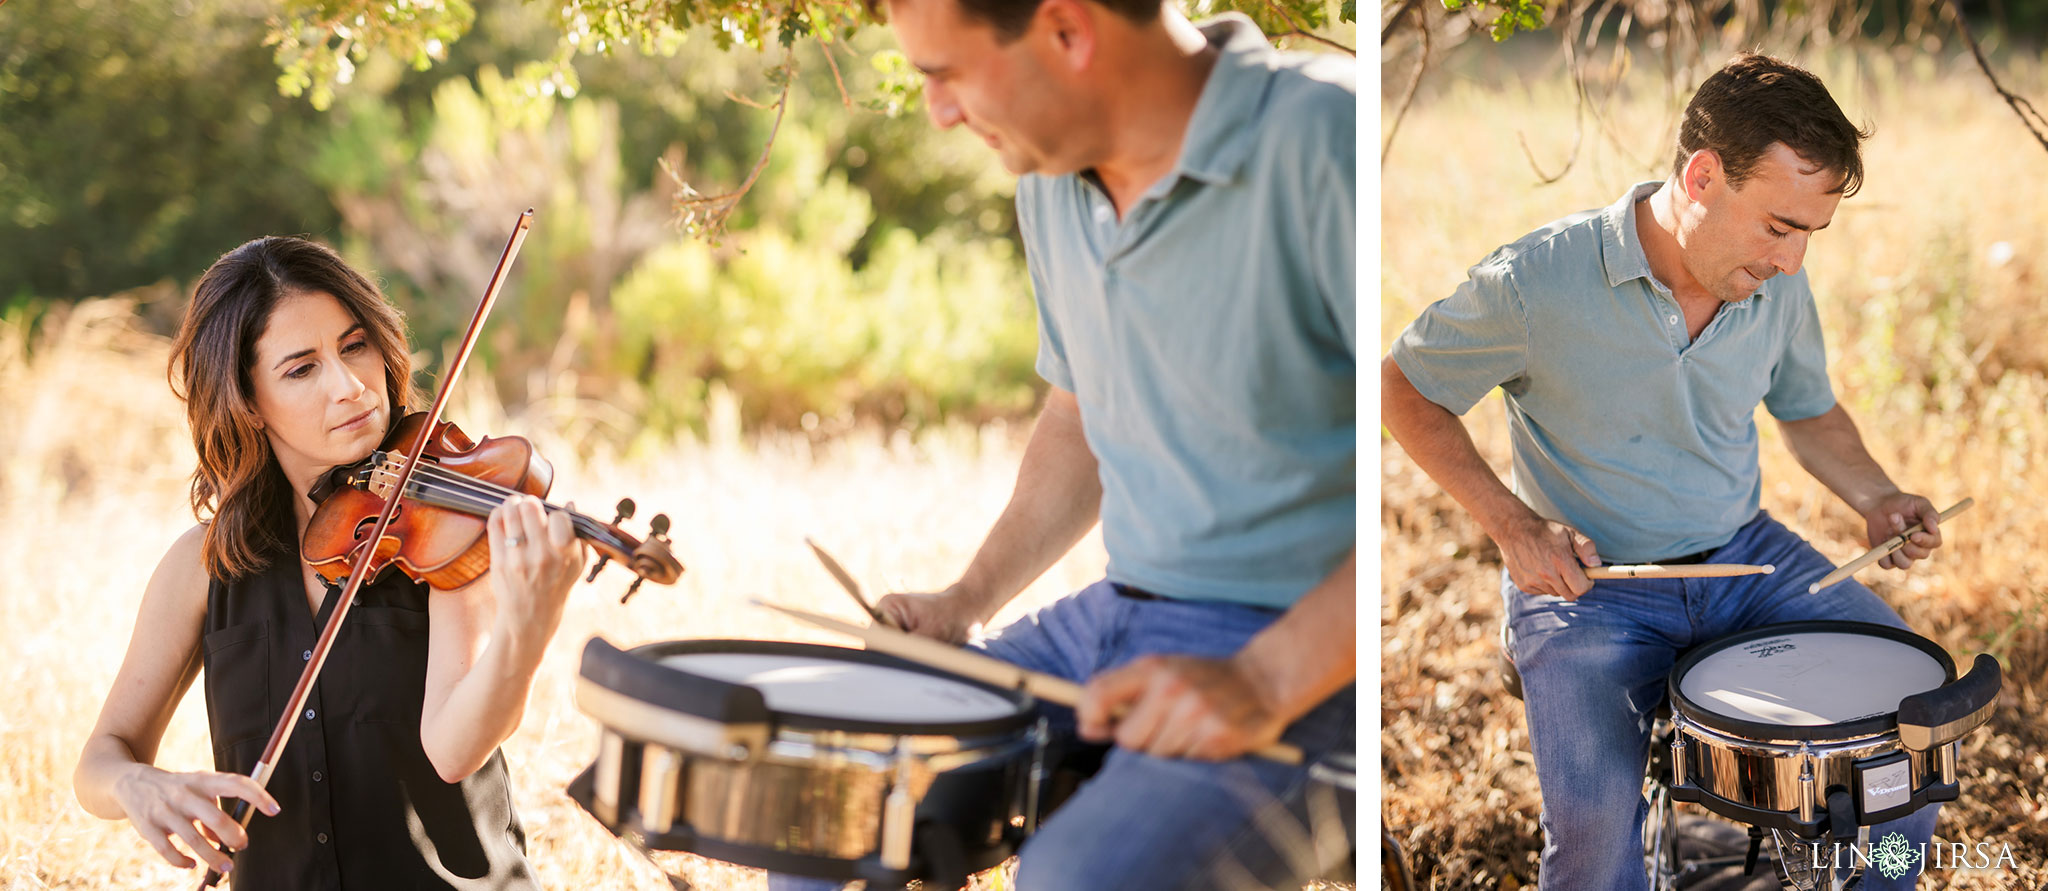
267, 764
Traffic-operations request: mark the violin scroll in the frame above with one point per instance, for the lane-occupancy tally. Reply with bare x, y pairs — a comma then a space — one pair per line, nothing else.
652, 557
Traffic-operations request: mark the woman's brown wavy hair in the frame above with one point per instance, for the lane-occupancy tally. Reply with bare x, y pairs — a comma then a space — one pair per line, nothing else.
238, 481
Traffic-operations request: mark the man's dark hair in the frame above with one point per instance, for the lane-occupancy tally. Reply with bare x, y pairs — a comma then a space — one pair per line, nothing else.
1011, 18
1755, 101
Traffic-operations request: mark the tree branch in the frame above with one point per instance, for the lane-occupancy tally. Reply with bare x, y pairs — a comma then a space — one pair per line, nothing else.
826, 48
1414, 84
1299, 31
2020, 106
1571, 64
706, 215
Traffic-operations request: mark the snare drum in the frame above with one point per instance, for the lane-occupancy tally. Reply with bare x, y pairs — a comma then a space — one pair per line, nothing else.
808, 760
1817, 728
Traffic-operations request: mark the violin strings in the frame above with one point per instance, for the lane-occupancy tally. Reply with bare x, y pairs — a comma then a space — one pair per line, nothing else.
483, 495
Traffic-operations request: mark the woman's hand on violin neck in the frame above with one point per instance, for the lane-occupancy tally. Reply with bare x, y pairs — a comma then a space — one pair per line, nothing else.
535, 561
163, 805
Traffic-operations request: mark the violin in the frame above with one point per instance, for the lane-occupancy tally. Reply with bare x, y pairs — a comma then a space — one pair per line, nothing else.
437, 532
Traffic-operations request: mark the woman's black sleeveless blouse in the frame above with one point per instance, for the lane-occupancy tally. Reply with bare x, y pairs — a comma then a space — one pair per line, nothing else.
361, 807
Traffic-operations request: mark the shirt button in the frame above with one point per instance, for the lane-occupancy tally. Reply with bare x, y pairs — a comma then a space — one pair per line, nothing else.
306, 656
309, 714
1102, 213
321, 838
1673, 320
316, 776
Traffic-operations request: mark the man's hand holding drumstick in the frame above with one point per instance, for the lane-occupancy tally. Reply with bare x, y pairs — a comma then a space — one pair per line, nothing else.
1896, 512
1546, 557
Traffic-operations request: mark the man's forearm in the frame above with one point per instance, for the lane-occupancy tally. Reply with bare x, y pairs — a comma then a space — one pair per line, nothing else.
1439, 444
1057, 499
1829, 446
1312, 650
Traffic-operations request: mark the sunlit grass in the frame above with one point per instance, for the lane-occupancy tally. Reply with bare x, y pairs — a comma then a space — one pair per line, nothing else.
1929, 284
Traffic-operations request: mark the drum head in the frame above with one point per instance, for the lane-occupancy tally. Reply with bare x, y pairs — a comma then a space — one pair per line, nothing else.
817, 687
831, 687
1807, 680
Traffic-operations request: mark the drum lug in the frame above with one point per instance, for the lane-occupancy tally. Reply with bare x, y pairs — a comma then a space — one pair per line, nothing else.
899, 815
1035, 781
1947, 789
1808, 791
661, 773
1677, 758
611, 756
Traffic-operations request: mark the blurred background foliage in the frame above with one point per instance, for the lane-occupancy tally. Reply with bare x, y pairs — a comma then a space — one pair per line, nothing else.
870, 275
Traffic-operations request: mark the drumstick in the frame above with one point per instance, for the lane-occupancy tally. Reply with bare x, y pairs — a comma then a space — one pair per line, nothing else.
1878, 553
1681, 571
987, 669
846, 581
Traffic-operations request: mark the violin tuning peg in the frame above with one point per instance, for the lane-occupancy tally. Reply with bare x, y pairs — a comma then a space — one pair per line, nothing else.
659, 524
597, 567
625, 511
629, 591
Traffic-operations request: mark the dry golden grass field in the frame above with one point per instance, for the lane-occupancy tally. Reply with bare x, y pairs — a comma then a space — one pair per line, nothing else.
1931, 290
92, 487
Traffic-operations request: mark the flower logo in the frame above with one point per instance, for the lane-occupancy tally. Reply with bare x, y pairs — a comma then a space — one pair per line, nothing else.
1893, 856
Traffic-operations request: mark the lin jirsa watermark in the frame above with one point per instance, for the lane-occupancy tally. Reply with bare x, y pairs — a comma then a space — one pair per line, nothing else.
1893, 856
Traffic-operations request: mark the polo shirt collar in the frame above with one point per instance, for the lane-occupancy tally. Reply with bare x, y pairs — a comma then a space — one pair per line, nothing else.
1224, 126
1621, 250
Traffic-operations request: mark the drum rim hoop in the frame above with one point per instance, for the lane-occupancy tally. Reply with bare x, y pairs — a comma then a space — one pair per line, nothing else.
1887, 722
1023, 718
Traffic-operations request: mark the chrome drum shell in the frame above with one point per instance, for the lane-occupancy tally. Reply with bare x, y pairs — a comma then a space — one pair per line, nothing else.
1766, 774
802, 796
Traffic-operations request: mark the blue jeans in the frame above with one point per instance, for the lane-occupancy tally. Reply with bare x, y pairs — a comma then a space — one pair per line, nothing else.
1594, 672
1145, 822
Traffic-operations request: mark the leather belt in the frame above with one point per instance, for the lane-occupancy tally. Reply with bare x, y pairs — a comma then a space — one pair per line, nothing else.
1686, 559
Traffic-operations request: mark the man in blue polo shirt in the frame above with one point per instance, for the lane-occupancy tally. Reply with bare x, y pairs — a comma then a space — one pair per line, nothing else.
1633, 345
1187, 203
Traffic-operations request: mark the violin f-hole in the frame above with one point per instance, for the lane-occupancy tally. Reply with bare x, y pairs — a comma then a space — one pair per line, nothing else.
364, 525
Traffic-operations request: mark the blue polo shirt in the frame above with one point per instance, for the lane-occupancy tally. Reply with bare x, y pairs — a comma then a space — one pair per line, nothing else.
1621, 427
1210, 335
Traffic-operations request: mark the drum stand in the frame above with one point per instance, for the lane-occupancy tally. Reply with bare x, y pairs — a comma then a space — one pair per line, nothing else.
1661, 860
1660, 828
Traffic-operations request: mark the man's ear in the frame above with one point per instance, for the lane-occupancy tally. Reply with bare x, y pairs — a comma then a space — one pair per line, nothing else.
1702, 170
1070, 28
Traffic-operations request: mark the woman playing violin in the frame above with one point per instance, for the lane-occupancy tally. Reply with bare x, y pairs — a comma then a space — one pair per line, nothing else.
290, 364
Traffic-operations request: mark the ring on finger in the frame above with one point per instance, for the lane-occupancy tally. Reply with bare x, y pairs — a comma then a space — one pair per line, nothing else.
515, 541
